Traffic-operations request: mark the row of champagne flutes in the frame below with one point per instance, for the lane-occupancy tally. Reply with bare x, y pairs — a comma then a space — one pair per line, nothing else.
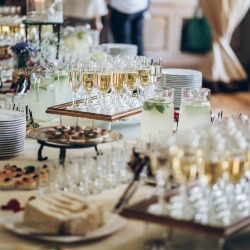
212, 168
120, 76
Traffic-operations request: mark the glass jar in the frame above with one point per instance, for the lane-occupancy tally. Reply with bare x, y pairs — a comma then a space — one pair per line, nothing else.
195, 110
41, 93
158, 114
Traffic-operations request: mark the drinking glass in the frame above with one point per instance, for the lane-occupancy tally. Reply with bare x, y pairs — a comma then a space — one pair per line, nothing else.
62, 88
41, 93
210, 173
131, 82
119, 78
9, 101
74, 81
195, 110
155, 73
164, 151
185, 170
158, 113
143, 67
88, 78
104, 79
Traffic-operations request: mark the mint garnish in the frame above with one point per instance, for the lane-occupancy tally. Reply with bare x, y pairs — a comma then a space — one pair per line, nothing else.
161, 107
148, 105
156, 103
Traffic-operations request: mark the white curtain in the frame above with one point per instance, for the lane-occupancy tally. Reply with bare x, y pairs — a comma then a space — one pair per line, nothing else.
221, 63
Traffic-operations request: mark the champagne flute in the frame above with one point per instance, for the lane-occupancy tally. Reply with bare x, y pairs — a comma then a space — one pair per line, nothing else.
74, 82
88, 79
119, 78
185, 170
165, 148
104, 79
155, 73
131, 81
144, 71
210, 173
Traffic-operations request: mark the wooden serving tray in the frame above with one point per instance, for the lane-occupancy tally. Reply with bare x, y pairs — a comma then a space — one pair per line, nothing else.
63, 109
140, 211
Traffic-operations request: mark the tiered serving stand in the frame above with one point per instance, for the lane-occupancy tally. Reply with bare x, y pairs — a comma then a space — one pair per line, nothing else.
39, 134
64, 109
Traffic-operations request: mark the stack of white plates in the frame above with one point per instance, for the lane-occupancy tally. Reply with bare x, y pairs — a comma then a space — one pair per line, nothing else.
179, 78
12, 132
121, 49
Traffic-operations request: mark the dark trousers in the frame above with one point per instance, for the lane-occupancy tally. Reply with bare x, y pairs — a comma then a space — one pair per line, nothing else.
128, 28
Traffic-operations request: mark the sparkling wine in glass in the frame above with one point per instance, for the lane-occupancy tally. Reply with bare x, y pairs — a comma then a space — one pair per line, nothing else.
88, 83
103, 84
74, 82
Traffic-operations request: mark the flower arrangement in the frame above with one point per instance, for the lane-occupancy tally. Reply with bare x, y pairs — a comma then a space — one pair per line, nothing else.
23, 48
22, 52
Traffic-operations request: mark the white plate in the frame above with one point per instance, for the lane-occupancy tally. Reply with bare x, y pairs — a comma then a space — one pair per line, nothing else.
21, 120
10, 154
113, 222
11, 151
10, 115
180, 72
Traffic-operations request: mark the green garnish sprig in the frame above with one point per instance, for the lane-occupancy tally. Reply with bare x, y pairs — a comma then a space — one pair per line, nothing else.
157, 103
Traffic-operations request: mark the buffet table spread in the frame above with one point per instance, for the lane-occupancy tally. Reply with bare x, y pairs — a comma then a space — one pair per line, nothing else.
135, 232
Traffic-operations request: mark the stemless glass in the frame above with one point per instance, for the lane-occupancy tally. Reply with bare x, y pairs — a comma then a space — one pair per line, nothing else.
158, 113
195, 110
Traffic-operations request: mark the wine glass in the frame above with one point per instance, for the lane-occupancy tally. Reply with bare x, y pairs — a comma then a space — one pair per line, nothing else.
131, 81
88, 78
185, 170
210, 173
104, 79
155, 73
119, 78
143, 67
74, 81
164, 150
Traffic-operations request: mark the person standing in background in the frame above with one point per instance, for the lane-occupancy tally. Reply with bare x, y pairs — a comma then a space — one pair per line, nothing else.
127, 21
